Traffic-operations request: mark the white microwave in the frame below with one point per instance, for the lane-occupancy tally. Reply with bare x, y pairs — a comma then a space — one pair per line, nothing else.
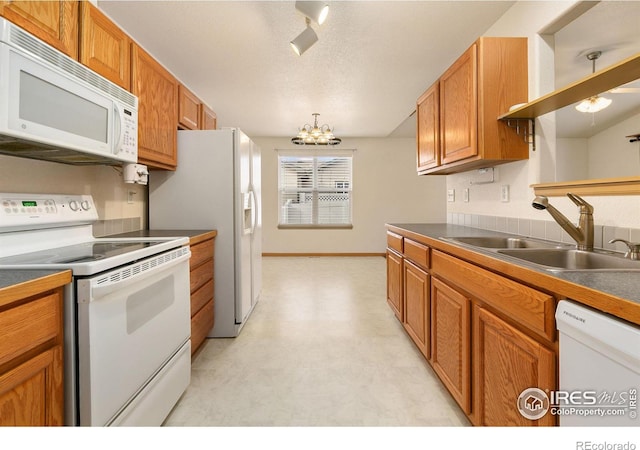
54, 108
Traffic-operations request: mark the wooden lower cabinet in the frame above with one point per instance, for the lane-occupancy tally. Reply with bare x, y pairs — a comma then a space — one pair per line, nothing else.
416, 307
450, 341
394, 284
506, 362
202, 287
31, 352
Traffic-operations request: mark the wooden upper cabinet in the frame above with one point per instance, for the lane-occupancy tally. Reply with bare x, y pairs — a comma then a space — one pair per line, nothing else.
55, 22
157, 91
428, 132
208, 119
482, 84
104, 47
188, 109
458, 108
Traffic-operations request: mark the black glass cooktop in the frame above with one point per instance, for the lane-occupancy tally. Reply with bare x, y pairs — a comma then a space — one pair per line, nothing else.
79, 253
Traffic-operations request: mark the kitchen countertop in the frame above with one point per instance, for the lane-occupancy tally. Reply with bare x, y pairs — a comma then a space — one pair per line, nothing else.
614, 292
200, 235
19, 283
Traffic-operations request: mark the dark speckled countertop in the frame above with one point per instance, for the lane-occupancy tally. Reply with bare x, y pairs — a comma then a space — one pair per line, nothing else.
11, 277
589, 287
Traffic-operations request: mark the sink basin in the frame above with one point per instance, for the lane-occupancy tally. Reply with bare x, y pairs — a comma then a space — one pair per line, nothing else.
504, 242
570, 259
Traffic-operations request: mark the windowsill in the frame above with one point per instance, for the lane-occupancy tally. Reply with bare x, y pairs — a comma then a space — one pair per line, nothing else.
315, 227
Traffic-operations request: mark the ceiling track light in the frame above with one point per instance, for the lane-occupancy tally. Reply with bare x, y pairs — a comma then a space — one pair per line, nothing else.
316, 11
595, 103
304, 40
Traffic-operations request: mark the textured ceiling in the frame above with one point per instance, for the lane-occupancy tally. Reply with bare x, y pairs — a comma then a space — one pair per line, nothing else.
373, 58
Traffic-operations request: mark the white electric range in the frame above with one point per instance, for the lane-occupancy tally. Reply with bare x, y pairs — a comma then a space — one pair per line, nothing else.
127, 311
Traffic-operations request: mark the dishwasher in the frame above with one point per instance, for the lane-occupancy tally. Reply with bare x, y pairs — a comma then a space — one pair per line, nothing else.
599, 358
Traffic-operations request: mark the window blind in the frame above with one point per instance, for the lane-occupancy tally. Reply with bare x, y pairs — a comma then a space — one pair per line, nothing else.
315, 191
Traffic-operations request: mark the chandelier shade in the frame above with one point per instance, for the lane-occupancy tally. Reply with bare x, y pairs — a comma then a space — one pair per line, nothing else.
315, 134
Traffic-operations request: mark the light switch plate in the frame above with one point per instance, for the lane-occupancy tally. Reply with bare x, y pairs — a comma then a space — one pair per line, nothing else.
465, 195
451, 195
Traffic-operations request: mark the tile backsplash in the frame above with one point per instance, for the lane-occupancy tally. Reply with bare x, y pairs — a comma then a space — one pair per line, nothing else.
545, 229
115, 226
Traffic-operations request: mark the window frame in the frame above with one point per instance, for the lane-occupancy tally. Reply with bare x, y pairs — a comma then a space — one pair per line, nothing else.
315, 190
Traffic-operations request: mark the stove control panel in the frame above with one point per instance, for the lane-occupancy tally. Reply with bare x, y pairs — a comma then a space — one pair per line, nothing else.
26, 211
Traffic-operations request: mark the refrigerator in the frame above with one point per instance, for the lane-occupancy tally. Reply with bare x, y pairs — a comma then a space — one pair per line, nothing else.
217, 186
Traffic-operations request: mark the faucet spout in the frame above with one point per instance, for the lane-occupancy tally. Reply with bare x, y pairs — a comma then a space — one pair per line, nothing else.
583, 233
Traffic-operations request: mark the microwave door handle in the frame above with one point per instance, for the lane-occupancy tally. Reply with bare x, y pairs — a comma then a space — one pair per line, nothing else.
100, 291
119, 129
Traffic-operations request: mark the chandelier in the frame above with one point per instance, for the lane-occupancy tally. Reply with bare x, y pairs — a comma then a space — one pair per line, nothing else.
315, 135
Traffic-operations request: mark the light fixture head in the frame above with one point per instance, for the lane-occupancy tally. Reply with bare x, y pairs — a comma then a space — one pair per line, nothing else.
304, 41
593, 104
315, 134
316, 11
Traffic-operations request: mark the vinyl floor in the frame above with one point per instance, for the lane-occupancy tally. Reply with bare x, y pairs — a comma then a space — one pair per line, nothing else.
321, 348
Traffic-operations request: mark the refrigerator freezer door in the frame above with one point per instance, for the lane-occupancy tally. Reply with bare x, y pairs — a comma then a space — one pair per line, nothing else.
244, 301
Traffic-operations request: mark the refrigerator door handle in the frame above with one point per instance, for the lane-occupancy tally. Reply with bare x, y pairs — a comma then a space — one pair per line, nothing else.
254, 210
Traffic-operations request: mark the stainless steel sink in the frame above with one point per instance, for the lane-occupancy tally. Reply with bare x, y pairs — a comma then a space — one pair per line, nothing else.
570, 259
495, 242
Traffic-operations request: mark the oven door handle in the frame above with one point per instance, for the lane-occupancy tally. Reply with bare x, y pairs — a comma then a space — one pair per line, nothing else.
103, 290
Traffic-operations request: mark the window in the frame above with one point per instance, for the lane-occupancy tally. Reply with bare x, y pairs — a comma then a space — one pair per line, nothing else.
315, 190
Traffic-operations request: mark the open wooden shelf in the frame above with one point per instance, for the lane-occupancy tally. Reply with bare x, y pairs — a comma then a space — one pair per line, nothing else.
611, 77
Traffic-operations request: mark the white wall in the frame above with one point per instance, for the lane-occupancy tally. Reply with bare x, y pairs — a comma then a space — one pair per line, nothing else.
528, 19
386, 188
104, 183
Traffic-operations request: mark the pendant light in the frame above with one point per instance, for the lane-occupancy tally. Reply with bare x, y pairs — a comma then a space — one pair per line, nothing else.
595, 103
315, 135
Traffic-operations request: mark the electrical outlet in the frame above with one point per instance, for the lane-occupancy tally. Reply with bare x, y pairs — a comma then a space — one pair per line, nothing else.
130, 195
465, 195
451, 195
504, 193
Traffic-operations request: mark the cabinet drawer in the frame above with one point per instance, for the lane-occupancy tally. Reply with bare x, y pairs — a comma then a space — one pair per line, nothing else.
27, 326
528, 307
394, 241
416, 252
201, 274
201, 252
200, 297
201, 323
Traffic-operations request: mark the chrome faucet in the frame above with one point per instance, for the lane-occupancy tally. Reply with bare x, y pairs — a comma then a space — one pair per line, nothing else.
633, 249
583, 233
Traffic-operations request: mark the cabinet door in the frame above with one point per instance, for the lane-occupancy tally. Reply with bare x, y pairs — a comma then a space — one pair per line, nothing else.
104, 47
157, 92
459, 109
31, 394
416, 306
188, 109
55, 22
450, 341
394, 284
208, 119
506, 362
428, 132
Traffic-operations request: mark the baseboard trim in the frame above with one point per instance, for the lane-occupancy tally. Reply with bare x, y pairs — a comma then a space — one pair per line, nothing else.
325, 254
